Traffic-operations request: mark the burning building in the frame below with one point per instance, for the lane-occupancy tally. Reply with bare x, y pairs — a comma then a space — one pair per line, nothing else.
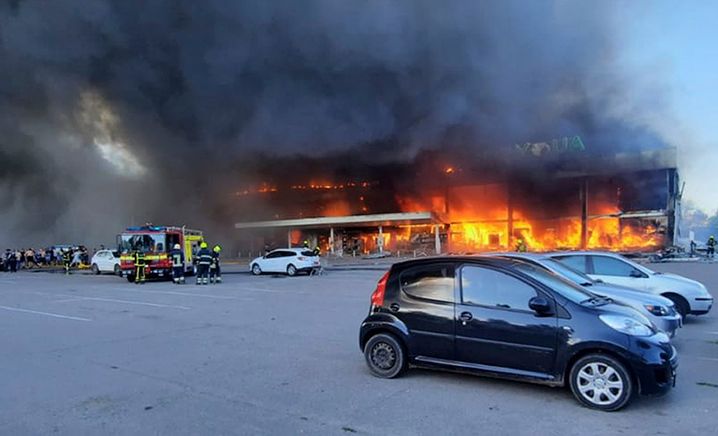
544, 196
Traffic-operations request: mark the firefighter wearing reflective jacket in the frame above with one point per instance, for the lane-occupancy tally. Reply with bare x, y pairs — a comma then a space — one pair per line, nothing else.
177, 258
67, 260
711, 245
204, 260
215, 274
140, 267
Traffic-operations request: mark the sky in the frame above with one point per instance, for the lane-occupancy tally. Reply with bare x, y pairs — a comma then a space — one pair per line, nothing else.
679, 41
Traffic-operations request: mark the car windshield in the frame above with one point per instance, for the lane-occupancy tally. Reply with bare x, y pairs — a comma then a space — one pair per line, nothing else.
568, 289
567, 272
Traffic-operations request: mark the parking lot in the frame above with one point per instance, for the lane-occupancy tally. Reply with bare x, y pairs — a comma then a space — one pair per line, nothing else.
85, 354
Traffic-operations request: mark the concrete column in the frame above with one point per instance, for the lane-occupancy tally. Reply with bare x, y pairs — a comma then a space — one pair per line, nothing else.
380, 241
583, 195
289, 238
331, 240
437, 240
509, 218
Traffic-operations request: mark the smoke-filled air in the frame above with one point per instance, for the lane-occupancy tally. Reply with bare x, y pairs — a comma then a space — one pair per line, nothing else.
115, 113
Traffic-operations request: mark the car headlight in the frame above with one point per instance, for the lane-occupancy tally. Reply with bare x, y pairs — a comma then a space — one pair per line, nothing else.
627, 325
657, 310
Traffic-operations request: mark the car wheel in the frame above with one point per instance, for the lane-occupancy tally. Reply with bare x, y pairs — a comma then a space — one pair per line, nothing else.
95, 269
291, 270
131, 277
681, 304
385, 356
601, 382
256, 270
118, 271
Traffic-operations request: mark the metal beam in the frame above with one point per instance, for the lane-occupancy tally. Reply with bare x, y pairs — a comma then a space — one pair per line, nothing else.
373, 220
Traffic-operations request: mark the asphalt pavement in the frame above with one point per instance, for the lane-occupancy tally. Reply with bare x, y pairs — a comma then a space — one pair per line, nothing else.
87, 354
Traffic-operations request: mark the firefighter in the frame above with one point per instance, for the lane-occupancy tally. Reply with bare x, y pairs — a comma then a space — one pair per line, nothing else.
204, 260
305, 244
711, 244
215, 273
317, 251
177, 257
67, 260
521, 246
140, 267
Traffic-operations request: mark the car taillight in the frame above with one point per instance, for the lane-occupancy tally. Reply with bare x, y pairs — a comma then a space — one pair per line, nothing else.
377, 298
301, 258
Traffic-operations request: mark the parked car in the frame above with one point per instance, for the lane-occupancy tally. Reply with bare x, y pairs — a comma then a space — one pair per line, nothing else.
285, 260
106, 261
510, 319
689, 296
659, 310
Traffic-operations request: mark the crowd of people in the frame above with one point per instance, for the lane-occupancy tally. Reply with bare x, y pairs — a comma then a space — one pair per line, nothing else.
14, 260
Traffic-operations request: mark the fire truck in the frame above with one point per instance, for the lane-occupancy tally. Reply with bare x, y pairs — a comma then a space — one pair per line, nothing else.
156, 242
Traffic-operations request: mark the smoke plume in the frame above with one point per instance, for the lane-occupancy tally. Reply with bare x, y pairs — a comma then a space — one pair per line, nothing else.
124, 112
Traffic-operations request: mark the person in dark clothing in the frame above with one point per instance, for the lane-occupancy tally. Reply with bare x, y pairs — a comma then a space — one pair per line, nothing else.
177, 258
215, 273
67, 260
711, 245
204, 260
140, 267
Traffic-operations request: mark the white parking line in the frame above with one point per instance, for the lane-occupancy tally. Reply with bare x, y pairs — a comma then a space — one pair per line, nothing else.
54, 315
190, 294
141, 303
712, 359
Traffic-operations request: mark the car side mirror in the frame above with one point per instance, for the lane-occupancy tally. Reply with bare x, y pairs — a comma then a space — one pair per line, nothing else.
540, 305
636, 274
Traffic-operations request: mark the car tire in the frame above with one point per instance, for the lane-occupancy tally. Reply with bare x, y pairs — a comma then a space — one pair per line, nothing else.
291, 270
601, 382
118, 271
681, 304
131, 277
385, 356
95, 269
256, 270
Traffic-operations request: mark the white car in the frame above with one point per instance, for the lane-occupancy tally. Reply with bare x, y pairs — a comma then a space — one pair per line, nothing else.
106, 261
689, 296
285, 260
659, 310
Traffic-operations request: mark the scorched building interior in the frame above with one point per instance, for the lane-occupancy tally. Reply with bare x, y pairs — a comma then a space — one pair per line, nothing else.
547, 196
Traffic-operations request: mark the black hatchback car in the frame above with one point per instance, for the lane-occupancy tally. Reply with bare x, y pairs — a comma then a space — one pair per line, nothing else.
507, 318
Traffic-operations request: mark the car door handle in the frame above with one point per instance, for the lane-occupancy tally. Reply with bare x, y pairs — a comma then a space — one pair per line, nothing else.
394, 307
466, 316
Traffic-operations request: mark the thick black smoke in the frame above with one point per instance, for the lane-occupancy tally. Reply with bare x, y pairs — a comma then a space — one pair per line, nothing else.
120, 112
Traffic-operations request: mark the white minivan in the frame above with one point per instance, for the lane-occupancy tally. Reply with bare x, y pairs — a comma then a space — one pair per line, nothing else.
689, 296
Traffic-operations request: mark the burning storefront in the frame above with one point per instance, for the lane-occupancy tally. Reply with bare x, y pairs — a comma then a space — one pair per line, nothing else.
539, 197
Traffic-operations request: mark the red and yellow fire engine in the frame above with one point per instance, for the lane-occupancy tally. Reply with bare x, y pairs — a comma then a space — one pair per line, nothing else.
156, 242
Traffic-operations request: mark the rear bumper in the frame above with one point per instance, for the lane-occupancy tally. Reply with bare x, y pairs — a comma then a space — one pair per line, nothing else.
656, 367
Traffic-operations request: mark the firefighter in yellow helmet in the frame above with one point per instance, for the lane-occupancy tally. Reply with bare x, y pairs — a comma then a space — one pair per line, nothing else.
711, 246
204, 260
215, 274
521, 246
140, 267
